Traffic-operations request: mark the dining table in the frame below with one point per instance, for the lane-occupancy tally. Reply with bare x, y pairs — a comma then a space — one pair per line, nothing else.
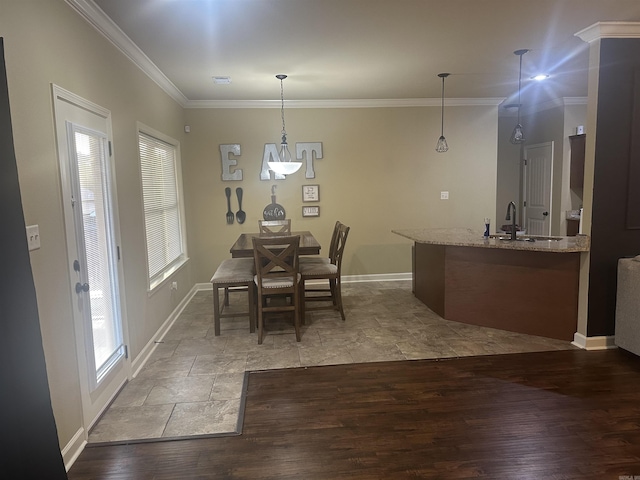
243, 247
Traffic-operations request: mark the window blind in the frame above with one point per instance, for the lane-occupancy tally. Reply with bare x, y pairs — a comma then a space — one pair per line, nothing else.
93, 184
160, 192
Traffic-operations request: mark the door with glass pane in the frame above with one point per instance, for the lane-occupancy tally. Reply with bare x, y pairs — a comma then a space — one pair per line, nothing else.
96, 268
91, 226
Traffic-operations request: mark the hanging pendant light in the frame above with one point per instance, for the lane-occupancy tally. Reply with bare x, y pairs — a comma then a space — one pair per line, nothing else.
442, 146
284, 165
517, 136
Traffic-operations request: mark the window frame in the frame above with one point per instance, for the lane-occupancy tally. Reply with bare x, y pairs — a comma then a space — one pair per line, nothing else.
153, 283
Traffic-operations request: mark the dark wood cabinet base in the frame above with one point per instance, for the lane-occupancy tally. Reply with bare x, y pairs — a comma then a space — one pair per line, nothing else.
535, 293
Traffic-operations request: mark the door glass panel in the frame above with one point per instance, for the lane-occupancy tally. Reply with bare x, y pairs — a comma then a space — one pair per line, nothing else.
99, 270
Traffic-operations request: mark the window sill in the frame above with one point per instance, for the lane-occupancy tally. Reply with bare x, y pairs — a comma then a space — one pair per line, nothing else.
161, 281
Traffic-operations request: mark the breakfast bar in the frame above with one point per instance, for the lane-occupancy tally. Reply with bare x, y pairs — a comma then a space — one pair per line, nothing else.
527, 285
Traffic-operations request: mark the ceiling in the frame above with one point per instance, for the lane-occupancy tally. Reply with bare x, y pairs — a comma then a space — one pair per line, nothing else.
365, 49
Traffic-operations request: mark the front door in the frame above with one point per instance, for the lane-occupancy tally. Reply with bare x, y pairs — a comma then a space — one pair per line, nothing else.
538, 180
83, 131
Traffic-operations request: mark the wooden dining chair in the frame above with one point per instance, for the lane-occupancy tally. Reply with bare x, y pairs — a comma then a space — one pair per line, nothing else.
325, 268
277, 279
275, 226
307, 259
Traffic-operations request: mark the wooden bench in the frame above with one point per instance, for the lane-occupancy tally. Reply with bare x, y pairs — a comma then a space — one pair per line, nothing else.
233, 273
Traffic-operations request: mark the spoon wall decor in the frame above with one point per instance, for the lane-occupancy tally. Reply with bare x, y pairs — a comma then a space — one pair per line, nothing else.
240, 214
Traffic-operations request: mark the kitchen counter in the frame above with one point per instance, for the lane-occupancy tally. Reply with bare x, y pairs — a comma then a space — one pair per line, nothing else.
463, 237
522, 286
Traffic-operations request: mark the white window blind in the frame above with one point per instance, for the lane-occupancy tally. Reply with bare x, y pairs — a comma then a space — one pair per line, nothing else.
162, 209
94, 188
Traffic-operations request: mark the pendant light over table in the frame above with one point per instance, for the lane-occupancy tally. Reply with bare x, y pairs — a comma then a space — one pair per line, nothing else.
442, 145
284, 165
517, 136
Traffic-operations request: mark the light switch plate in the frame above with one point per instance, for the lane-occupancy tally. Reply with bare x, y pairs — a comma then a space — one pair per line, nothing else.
444, 195
33, 237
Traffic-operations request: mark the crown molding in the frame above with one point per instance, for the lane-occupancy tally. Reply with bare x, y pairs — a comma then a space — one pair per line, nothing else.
575, 101
555, 103
548, 105
103, 24
364, 103
609, 30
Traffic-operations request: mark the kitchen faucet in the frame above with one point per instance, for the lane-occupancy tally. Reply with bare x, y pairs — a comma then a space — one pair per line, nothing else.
513, 220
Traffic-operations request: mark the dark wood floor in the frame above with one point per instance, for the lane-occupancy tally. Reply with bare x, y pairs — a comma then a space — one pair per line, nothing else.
551, 415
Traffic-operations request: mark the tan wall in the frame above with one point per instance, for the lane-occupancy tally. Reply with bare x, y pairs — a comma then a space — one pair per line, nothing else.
47, 42
380, 172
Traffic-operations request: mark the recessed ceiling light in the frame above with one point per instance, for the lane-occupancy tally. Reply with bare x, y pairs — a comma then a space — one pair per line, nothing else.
222, 80
540, 77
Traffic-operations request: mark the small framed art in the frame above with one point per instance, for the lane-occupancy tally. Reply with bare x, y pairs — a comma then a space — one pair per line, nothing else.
311, 211
310, 193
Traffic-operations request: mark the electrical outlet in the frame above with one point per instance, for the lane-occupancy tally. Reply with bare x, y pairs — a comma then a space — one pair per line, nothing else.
444, 195
33, 237
174, 285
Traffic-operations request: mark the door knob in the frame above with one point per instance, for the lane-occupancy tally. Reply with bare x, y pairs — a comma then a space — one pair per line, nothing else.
545, 213
82, 287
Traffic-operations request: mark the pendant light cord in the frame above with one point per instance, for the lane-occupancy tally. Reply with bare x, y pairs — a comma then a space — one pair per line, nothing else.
519, 84
284, 133
520, 53
442, 110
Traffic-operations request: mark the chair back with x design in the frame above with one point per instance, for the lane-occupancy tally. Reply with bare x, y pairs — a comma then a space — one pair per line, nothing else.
275, 226
276, 263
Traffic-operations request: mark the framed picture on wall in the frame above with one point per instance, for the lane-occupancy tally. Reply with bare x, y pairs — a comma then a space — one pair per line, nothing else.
310, 193
311, 211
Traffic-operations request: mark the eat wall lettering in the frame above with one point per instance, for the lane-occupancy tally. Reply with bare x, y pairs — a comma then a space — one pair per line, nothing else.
307, 151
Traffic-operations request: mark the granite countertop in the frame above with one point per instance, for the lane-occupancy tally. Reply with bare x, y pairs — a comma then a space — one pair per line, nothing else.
463, 237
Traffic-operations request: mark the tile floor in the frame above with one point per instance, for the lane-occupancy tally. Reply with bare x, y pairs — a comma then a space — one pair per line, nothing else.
194, 381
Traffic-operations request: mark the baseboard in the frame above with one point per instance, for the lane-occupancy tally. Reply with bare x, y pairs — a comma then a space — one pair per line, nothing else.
74, 448
377, 277
594, 343
143, 357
